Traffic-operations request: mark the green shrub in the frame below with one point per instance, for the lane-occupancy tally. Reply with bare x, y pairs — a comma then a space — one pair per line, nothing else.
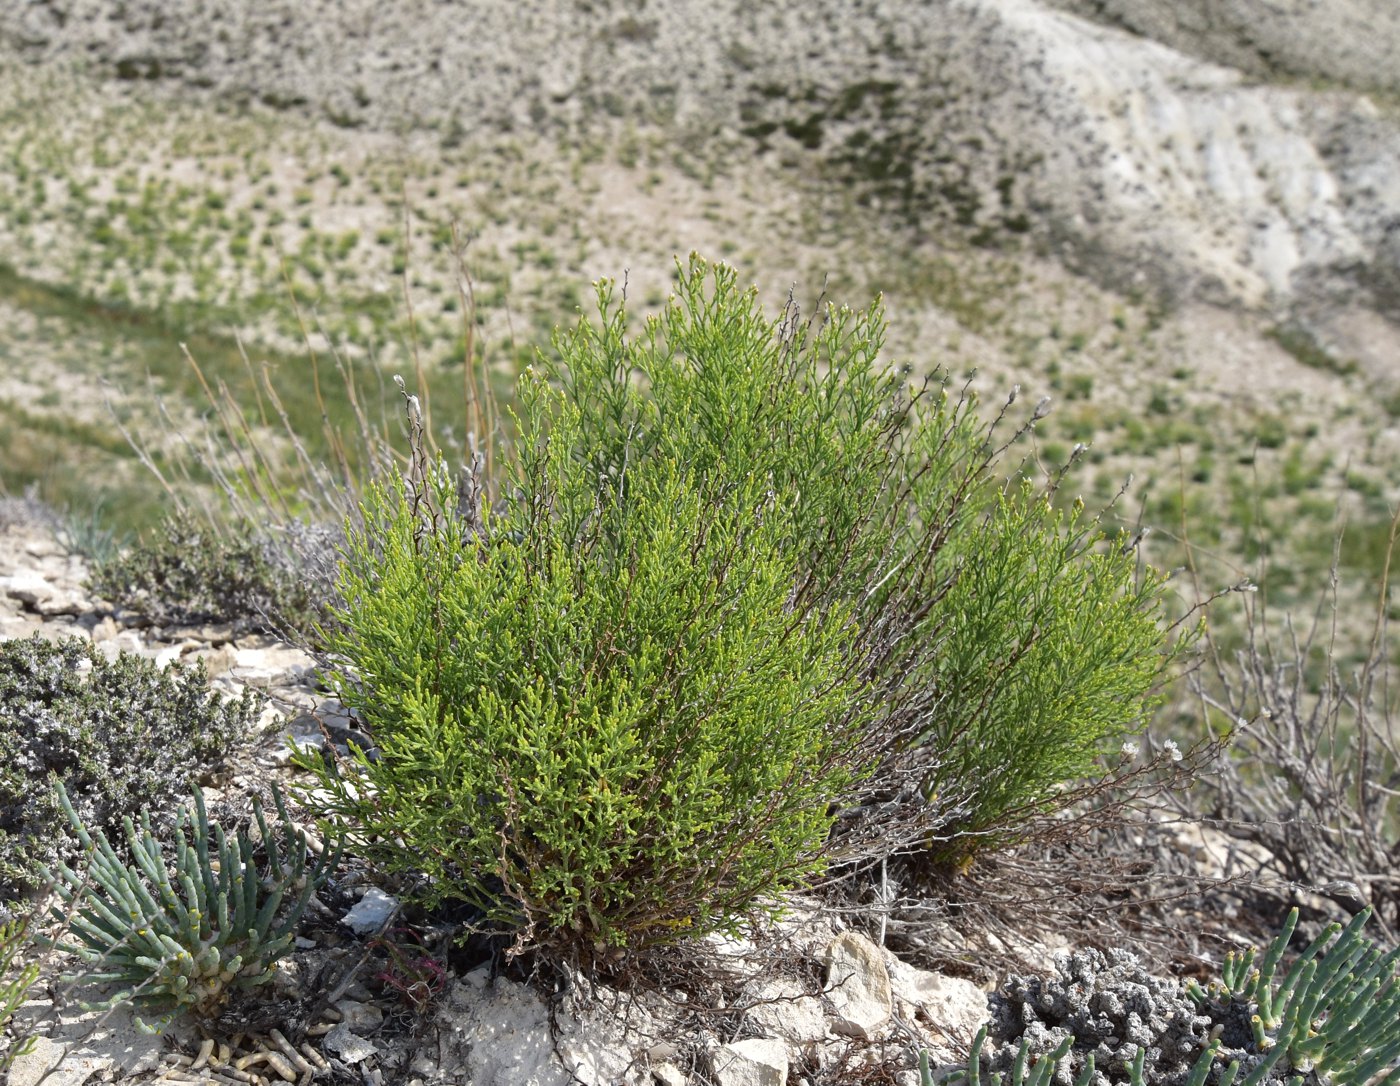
118, 734
741, 568
600, 716
1044, 653
1013, 645
189, 574
185, 942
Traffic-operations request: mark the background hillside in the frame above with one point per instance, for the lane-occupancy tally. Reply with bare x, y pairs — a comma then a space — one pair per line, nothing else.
1180, 221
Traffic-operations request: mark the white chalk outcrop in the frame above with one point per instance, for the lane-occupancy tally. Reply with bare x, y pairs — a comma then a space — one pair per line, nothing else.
1144, 164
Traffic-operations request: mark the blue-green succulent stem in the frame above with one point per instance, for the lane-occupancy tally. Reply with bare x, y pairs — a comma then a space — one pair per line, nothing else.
1047, 1067
206, 883
274, 862
248, 903
1138, 1061
1274, 954
223, 878
1018, 1067
1264, 1066
221, 914
974, 1060
1383, 1056
148, 859
1290, 1003
263, 920
1295, 975
1203, 1064
1329, 984
1237, 971
1261, 1035
1342, 1030
99, 922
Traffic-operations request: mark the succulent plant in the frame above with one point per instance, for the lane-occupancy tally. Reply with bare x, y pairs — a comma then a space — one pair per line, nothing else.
185, 942
1334, 1018
1336, 1013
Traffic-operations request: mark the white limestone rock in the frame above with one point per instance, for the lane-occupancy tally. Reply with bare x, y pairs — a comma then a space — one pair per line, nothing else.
501, 1035
946, 1007
783, 1009
348, 1045
858, 985
758, 1061
370, 913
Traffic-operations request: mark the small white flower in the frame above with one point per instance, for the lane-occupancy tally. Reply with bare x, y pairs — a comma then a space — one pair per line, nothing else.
1172, 749
1130, 749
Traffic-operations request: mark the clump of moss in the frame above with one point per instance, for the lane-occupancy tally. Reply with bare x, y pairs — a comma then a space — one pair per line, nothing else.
120, 735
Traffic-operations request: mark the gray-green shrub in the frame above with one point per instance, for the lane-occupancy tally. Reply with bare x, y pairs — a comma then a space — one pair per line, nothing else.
187, 573
120, 735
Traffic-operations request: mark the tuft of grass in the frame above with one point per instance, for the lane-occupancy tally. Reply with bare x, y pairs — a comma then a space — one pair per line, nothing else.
1304, 346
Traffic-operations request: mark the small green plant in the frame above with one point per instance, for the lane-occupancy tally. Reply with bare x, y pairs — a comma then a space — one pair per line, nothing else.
1333, 1018
185, 941
118, 733
1336, 1013
14, 984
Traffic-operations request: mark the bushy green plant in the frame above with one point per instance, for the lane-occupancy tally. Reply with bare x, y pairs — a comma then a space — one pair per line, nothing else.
599, 716
119, 734
1044, 651
736, 558
185, 942
1014, 645
188, 573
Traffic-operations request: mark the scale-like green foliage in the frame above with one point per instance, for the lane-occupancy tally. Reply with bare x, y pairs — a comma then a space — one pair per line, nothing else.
185, 941
599, 717
1046, 650
1015, 644
735, 558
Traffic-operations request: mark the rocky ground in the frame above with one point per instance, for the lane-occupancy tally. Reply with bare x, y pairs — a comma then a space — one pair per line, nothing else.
809, 996
1179, 220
